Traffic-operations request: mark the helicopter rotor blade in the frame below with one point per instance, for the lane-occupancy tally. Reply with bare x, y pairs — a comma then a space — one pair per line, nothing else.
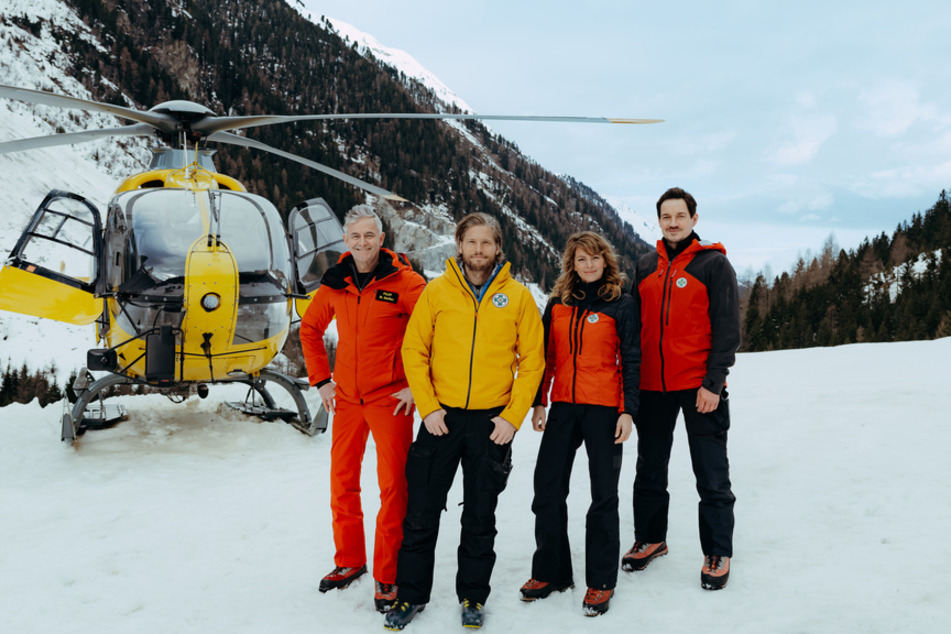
50, 140
234, 139
216, 124
161, 121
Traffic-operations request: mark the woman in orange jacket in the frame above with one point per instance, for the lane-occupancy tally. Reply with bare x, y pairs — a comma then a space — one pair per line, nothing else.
592, 359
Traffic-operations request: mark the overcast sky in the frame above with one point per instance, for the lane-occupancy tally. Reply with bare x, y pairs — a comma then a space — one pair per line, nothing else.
787, 120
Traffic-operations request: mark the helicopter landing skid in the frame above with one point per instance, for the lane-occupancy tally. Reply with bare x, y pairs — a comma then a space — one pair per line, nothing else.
262, 411
260, 403
89, 411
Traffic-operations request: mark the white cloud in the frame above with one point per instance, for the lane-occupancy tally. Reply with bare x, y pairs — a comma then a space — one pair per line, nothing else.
817, 202
891, 107
803, 136
908, 180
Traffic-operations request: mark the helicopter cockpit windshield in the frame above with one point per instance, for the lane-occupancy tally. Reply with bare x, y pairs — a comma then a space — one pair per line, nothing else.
150, 233
165, 223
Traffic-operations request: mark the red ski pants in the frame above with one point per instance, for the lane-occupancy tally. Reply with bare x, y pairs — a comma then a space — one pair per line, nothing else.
392, 435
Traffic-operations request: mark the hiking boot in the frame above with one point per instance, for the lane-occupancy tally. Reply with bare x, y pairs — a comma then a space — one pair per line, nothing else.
534, 589
715, 572
641, 554
473, 614
384, 596
596, 601
401, 614
340, 578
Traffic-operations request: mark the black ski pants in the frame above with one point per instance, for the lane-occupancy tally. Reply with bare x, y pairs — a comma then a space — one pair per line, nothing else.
706, 437
569, 425
430, 469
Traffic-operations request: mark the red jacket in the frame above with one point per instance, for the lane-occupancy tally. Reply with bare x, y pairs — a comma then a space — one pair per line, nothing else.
370, 326
690, 317
592, 354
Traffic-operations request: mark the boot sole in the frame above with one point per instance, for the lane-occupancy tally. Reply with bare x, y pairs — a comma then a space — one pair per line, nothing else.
339, 585
544, 596
714, 583
399, 628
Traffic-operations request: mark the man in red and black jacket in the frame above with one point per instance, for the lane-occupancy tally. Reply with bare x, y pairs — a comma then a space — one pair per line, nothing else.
690, 331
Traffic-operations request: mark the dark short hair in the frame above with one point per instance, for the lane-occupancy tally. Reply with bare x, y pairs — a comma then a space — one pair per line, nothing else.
676, 193
477, 219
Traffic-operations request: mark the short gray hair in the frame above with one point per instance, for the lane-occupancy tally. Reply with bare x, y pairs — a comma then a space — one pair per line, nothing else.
359, 212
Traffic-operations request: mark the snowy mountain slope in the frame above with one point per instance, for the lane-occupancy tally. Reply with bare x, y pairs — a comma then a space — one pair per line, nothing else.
190, 519
644, 226
400, 60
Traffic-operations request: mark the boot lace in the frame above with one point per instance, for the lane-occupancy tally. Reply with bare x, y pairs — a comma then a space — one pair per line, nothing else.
594, 596
714, 562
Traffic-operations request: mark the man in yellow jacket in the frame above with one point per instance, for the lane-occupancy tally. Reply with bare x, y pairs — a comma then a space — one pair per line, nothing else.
473, 355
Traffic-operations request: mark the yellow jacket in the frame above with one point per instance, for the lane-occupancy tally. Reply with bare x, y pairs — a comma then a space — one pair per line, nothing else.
474, 355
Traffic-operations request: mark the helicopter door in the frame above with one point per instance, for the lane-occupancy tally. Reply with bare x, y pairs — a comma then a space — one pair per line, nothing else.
316, 241
52, 270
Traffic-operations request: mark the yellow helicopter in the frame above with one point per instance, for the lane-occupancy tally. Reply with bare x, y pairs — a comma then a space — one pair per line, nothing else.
190, 280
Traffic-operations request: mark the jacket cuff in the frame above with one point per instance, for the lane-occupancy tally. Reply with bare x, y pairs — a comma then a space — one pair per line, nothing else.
714, 385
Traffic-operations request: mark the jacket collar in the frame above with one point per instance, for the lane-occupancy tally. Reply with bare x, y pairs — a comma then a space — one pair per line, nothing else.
694, 246
455, 275
342, 274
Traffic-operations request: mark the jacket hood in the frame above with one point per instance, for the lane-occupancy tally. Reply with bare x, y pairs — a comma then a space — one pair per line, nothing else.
696, 245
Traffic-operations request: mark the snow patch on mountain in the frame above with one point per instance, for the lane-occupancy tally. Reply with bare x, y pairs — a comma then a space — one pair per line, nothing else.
398, 59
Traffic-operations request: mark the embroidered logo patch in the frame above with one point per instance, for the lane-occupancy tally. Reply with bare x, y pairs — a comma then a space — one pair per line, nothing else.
387, 296
593, 318
681, 282
500, 300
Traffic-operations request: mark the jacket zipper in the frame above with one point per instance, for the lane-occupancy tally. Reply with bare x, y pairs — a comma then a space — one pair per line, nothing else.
576, 330
664, 319
475, 325
356, 333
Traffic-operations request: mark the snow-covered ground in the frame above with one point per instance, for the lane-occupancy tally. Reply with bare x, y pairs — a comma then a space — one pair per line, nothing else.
189, 518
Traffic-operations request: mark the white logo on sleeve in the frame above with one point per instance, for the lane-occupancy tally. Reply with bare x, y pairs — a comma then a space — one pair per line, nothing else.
500, 300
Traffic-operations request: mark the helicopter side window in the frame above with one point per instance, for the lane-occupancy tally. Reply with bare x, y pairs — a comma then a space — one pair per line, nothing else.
67, 245
318, 245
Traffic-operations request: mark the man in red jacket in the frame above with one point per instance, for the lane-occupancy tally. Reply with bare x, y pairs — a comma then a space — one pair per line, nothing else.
690, 330
372, 292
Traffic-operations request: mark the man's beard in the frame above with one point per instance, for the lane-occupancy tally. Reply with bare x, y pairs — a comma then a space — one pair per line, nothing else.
476, 267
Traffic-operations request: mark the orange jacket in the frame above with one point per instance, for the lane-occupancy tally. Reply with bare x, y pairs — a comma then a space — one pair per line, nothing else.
370, 326
690, 317
592, 354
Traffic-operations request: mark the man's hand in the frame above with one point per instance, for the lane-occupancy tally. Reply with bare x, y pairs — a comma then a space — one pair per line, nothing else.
435, 423
707, 401
538, 418
405, 398
623, 430
328, 391
504, 431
